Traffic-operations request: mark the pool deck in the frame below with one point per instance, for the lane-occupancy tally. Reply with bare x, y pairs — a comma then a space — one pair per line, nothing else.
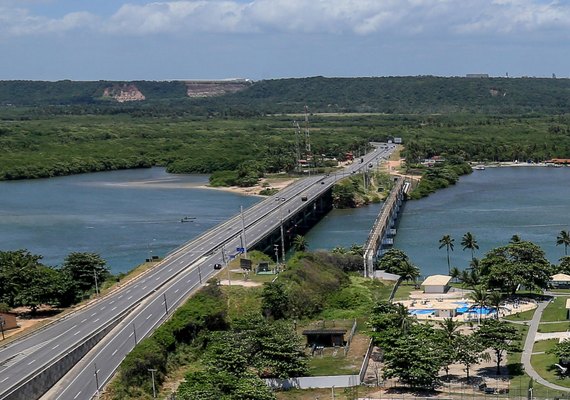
455, 299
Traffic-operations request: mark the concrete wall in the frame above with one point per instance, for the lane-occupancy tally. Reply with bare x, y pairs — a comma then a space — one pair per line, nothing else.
309, 382
46, 378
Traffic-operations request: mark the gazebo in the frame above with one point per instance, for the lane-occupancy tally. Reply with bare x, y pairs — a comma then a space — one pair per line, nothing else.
560, 281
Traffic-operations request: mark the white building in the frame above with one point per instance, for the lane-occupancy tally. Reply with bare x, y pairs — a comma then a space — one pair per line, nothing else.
436, 284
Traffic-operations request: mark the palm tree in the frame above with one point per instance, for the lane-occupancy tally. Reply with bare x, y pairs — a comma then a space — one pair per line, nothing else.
449, 328
300, 243
481, 298
408, 271
563, 238
447, 242
339, 250
455, 273
469, 242
494, 300
357, 250
515, 239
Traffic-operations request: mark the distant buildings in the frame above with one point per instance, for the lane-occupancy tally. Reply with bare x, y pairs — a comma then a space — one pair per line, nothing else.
477, 75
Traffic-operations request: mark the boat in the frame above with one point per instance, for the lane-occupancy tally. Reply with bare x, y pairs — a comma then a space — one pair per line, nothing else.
187, 219
479, 167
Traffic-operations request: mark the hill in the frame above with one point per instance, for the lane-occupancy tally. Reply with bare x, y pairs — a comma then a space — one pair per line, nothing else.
390, 95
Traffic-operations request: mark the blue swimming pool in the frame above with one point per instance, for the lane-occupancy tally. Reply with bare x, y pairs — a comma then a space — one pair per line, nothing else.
422, 312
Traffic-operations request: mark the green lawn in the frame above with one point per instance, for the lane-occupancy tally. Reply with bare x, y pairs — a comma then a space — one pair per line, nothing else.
544, 365
404, 290
555, 311
523, 316
544, 345
555, 327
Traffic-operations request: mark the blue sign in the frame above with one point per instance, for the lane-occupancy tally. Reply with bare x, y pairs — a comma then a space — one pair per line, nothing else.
232, 256
240, 249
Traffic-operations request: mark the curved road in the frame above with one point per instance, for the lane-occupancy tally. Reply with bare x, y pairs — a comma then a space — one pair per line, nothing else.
144, 303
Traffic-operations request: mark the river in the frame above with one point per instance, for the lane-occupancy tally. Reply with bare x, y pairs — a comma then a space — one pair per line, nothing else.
125, 216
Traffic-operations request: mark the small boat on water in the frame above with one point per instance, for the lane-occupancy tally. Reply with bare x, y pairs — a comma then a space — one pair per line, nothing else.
479, 167
187, 219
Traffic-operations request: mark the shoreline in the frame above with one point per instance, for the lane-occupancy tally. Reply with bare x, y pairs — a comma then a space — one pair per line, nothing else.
507, 164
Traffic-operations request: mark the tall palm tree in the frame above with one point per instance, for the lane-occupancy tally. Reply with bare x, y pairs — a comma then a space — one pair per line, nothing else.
455, 273
481, 298
300, 243
469, 242
494, 300
449, 328
563, 238
447, 242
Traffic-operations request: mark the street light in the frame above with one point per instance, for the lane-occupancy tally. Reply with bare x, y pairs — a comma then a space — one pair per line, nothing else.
96, 285
152, 371
96, 378
276, 247
282, 200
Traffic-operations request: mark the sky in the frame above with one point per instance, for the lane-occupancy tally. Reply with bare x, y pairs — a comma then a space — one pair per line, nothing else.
264, 39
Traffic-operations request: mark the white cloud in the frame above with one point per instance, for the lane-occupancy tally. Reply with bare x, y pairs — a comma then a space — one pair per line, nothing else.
360, 17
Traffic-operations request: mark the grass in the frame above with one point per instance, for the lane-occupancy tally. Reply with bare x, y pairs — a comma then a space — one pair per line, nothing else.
554, 327
544, 366
522, 316
544, 345
404, 290
555, 311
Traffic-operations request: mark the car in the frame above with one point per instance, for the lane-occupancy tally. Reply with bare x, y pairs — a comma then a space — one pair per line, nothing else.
217, 266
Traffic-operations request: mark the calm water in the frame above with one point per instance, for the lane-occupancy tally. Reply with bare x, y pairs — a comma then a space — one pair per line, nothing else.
493, 204
123, 215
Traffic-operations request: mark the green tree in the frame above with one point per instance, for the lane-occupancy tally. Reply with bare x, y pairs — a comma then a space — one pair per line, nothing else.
480, 297
468, 241
499, 336
494, 300
395, 261
274, 300
84, 268
455, 273
515, 239
300, 243
448, 329
447, 242
357, 250
470, 278
563, 239
522, 263
469, 351
564, 265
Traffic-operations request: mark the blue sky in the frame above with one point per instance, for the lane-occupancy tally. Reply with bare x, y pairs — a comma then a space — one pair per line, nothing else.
260, 39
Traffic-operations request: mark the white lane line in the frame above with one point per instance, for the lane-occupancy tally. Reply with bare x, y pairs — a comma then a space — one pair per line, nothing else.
114, 308
111, 302
130, 297
115, 352
76, 333
176, 291
128, 291
157, 278
150, 315
31, 362
102, 308
94, 314
169, 270
144, 287
83, 320
121, 296
77, 395
97, 320
189, 280
181, 262
55, 347
5, 379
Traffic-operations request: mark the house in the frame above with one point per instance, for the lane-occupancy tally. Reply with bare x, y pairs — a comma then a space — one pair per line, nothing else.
436, 284
326, 337
560, 281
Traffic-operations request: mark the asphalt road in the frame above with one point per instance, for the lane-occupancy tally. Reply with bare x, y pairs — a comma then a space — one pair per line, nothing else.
144, 303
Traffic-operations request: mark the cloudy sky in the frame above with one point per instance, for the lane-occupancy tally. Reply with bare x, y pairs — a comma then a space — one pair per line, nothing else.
258, 39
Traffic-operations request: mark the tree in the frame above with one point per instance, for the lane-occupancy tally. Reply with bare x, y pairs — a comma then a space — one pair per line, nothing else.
494, 300
339, 250
500, 337
515, 239
455, 273
84, 268
470, 278
274, 300
447, 242
414, 358
564, 239
522, 263
469, 351
564, 265
448, 349
357, 250
468, 241
300, 243
395, 261
480, 297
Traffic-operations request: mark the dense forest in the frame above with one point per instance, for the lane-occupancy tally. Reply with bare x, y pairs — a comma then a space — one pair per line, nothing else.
391, 95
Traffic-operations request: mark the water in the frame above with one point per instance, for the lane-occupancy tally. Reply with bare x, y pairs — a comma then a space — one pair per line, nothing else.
125, 216
494, 205
343, 228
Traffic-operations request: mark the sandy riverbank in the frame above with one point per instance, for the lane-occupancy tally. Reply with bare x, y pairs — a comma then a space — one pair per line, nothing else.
264, 183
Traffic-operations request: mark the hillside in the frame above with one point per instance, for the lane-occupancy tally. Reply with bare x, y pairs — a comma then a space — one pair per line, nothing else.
391, 95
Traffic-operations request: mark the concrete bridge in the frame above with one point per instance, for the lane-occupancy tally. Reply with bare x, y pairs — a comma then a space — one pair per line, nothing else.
73, 357
384, 228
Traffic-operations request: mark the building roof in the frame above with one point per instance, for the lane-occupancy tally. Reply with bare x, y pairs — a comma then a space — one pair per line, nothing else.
436, 280
560, 278
567, 303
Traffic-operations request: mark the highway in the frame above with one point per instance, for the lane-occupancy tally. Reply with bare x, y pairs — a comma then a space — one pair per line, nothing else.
144, 303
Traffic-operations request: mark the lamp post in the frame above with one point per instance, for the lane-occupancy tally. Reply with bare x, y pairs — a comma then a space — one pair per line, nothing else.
96, 285
282, 200
152, 371
243, 232
276, 247
96, 377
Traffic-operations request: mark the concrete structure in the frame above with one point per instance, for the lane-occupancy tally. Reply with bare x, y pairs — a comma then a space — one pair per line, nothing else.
8, 321
436, 284
384, 226
327, 337
560, 281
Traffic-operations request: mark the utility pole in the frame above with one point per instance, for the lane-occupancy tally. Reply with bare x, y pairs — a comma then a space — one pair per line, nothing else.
165, 305
226, 265
135, 333
96, 285
282, 200
276, 247
96, 378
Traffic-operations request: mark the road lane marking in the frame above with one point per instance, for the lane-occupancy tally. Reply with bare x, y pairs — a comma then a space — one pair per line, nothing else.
94, 314
176, 291
157, 278
83, 320
114, 308
121, 296
5, 379
150, 315
169, 270
115, 352
128, 291
111, 302
144, 287
76, 333
130, 297
77, 395
102, 308
97, 320
31, 362
55, 347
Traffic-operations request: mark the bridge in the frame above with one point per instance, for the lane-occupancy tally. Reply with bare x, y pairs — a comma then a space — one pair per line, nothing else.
384, 228
73, 357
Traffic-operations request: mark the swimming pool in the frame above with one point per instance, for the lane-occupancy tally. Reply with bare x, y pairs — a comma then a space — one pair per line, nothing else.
427, 311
